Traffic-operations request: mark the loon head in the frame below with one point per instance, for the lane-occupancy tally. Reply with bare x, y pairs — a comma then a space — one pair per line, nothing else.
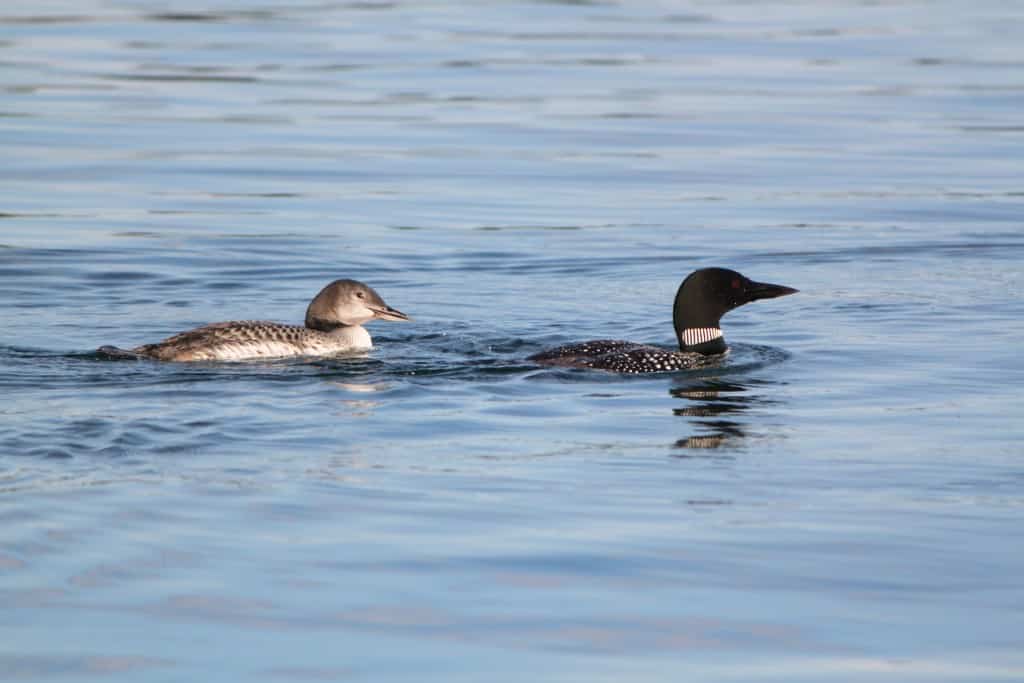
708, 294
348, 302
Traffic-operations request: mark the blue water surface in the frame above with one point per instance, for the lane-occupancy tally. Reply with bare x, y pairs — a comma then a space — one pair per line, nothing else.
839, 500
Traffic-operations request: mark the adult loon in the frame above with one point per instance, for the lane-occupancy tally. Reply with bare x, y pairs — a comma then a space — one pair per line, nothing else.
701, 301
333, 325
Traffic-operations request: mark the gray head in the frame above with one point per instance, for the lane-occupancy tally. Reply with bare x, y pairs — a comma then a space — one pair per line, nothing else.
348, 302
708, 294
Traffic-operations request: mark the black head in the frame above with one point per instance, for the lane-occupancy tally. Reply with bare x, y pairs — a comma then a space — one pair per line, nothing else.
708, 294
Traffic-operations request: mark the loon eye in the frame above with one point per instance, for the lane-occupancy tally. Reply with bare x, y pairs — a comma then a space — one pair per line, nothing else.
361, 295
735, 283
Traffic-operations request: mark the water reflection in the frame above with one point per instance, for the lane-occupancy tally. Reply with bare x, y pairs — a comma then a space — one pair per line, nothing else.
356, 407
717, 406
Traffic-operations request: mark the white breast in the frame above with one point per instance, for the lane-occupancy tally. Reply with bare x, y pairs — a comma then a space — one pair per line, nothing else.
352, 338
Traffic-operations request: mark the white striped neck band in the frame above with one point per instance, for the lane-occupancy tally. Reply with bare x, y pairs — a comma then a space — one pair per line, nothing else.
692, 336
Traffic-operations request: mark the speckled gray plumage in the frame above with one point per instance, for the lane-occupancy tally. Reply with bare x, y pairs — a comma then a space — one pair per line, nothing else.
621, 356
239, 339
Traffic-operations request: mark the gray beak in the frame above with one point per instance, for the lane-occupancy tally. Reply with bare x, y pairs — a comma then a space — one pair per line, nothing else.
388, 313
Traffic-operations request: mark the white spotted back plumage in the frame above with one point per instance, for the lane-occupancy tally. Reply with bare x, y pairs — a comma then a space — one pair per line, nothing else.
622, 356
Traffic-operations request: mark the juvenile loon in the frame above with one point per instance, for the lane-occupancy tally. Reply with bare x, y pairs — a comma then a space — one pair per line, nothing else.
333, 325
701, 301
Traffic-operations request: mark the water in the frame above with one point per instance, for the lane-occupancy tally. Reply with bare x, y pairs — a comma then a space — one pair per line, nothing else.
840, 500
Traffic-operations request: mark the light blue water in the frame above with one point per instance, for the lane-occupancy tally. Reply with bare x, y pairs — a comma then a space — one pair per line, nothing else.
840, 500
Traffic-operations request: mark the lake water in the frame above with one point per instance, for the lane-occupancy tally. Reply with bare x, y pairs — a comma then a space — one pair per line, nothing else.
840, 500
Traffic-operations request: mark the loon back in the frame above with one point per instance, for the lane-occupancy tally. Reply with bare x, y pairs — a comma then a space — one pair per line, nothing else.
621, 356
244, 339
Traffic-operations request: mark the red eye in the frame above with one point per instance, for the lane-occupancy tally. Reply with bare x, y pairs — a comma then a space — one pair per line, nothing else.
735, 284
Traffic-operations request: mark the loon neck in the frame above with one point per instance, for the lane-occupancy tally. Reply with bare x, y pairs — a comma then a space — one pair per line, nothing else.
321, 325
705, 340
696, 315
355, 336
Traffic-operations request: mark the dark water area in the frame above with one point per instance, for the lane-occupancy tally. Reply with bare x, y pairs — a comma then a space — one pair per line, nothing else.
839, 499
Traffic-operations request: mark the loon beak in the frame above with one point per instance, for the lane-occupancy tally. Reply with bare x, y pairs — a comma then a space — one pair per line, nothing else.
388, 313
764, 290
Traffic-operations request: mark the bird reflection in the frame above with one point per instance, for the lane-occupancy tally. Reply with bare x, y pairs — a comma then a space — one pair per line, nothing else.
360, 407
716, 406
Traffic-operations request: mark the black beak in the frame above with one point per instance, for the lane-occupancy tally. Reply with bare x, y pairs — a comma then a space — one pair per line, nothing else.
764, 290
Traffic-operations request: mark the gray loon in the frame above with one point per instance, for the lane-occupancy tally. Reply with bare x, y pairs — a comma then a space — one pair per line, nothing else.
701, 301
333, 325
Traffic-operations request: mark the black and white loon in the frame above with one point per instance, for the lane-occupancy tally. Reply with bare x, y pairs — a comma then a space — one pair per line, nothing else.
703, 298
333, 325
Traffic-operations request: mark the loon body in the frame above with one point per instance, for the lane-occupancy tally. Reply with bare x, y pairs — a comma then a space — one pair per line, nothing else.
333, 325
701, 301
